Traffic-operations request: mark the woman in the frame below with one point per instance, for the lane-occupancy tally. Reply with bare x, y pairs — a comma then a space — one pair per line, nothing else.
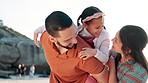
130, 65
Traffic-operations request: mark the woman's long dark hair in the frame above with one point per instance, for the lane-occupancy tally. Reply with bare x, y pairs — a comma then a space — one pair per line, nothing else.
135, 39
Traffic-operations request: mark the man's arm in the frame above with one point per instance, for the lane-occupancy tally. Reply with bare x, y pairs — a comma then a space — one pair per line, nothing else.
95, 68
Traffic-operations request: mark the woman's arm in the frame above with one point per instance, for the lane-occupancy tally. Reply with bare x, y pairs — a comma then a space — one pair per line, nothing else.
102, 77
112, 70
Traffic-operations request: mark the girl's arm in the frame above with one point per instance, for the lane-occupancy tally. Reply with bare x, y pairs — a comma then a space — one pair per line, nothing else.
36, 32
102, 53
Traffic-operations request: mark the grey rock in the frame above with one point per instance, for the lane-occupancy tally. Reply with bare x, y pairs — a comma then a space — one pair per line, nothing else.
15, 49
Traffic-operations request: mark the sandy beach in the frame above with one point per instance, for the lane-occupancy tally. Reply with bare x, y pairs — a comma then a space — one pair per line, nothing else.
26, 79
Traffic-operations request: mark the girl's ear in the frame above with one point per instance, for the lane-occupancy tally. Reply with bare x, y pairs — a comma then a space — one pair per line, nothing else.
85, 25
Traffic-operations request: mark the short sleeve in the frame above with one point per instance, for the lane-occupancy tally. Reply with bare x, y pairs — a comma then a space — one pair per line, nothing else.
91, 65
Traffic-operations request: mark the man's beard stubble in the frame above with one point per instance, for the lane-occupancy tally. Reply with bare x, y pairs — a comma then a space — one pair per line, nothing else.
64, 46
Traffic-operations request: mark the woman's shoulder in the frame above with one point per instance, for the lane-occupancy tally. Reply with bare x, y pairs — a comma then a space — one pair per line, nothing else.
134, 71
133, 66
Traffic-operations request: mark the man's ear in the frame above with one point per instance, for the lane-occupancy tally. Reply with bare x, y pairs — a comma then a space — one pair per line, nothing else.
85, 25
52, 39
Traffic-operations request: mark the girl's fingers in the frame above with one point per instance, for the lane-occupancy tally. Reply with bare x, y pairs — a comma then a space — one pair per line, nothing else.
85, 48
37, 44
85, 58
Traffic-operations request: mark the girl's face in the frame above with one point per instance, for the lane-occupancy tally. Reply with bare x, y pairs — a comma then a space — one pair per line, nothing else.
117, 44
95, 26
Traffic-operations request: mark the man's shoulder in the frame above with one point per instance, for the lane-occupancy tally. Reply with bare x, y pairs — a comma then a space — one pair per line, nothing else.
44, 39
44, 35
81, 43
91, 65
93, 60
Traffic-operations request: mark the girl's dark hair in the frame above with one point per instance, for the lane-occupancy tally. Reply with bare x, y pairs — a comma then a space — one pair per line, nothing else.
135, 39
57, 21
89, 11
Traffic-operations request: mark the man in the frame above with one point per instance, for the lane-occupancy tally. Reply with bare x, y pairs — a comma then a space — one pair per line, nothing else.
61, 47
19, 71
23, 68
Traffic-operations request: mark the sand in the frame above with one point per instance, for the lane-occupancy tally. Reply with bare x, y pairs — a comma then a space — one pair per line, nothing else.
25, 79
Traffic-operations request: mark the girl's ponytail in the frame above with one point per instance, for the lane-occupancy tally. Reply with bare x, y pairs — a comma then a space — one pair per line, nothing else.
78, 20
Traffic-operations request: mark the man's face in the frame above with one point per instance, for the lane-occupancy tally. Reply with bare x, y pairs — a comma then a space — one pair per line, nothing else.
67, 37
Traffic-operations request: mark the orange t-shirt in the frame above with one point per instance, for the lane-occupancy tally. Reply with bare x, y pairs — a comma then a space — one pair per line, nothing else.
67, 67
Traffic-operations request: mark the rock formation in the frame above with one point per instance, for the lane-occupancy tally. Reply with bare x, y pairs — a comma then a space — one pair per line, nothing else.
15, 49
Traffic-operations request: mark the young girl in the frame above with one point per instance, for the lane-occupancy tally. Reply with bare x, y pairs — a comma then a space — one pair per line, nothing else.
93, 32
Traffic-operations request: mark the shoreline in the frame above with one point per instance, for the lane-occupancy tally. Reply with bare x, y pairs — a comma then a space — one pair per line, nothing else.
25, 79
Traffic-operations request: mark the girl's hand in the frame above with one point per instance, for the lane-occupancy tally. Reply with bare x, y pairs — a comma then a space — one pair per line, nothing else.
87, 53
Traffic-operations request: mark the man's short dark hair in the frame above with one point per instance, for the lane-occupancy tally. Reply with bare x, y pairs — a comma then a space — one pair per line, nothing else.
57, 21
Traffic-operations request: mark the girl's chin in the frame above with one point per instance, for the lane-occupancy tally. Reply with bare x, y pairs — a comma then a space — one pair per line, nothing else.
112, 48
97, 35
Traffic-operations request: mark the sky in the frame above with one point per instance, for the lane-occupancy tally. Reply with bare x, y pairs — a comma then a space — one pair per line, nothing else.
25, 16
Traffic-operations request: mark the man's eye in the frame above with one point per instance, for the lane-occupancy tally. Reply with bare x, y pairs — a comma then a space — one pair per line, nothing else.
66, 40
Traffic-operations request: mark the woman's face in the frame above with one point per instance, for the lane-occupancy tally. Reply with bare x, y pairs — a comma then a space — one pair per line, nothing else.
117, 44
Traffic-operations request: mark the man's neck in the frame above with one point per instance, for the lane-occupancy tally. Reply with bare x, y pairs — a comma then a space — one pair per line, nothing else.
61, 50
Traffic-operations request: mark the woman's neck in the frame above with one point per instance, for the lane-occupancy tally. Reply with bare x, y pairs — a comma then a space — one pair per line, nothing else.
125, 59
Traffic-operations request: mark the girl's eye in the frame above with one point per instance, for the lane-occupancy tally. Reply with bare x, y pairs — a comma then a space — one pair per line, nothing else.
100, 27
97, 27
